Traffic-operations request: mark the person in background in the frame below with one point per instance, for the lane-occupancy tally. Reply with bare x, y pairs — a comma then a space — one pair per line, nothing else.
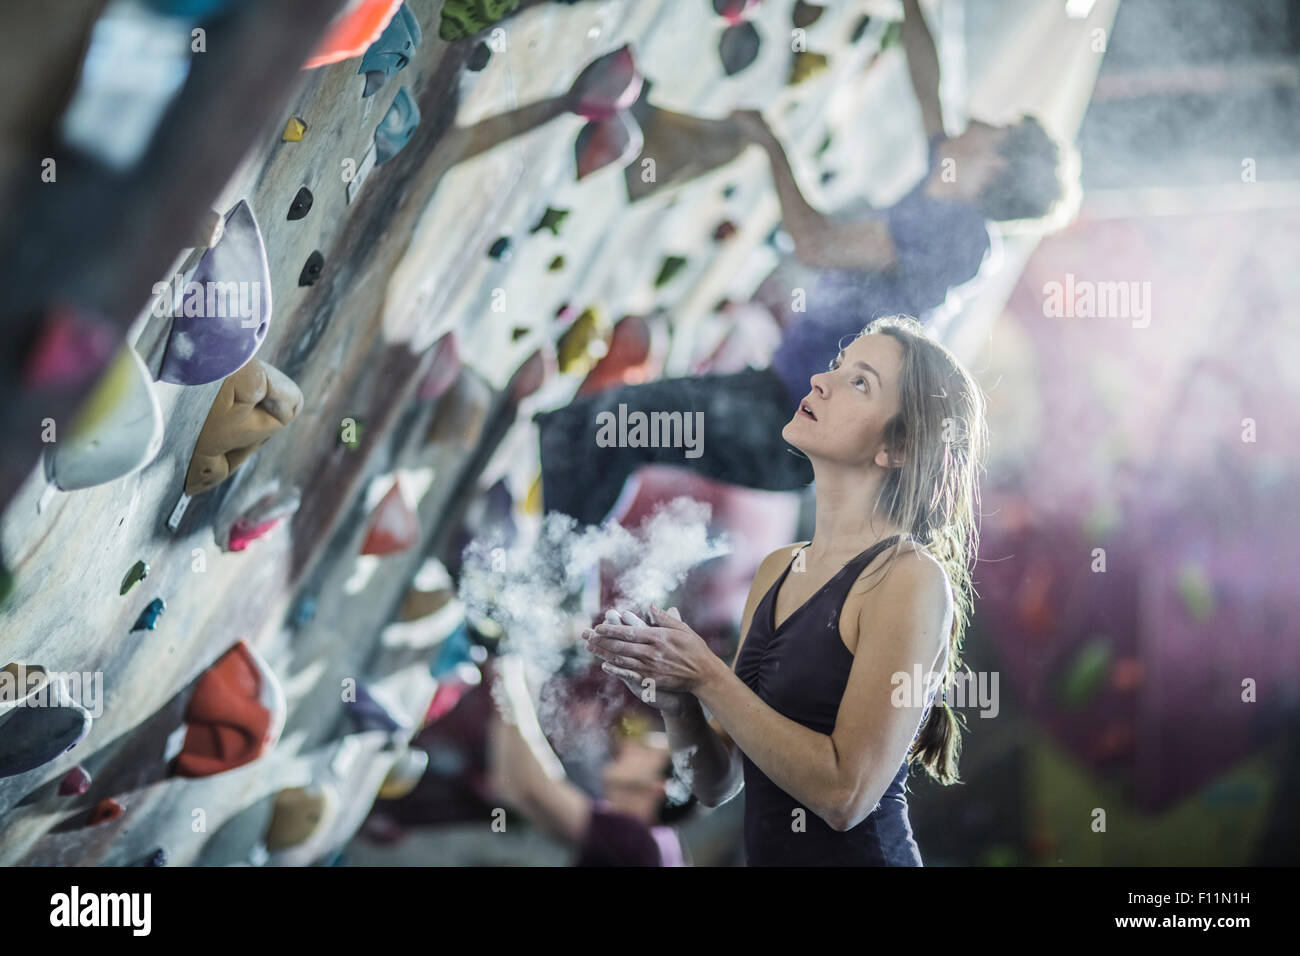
900, 260
629, 826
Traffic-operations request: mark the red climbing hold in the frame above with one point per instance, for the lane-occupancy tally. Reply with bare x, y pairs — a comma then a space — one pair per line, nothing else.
394, 527
104, 811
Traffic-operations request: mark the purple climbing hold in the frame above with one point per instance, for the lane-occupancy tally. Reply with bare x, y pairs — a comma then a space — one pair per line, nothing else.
75, 781
367, 713
606, 85
225, 309
738, 47
157, 858
614, 140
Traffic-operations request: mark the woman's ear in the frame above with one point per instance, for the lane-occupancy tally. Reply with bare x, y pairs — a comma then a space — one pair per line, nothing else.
887, 460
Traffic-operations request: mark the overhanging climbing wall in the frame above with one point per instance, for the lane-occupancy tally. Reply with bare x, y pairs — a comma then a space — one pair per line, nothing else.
427, 244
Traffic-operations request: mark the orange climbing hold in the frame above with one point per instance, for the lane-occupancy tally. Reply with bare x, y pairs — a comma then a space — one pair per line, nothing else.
236, 714
353, 30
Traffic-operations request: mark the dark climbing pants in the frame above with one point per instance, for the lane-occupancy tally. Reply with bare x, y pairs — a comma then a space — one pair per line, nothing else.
740, 441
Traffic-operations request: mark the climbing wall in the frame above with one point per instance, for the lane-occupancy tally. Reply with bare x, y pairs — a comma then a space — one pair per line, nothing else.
431, 286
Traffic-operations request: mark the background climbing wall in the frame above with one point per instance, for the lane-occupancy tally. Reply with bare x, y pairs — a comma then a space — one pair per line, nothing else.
403, 262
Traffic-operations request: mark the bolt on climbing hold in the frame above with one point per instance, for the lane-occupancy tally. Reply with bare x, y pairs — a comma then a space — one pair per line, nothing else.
552, 220
293, 130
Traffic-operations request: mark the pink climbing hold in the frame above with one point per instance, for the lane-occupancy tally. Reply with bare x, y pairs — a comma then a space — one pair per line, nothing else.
394, 528
75, 781
733, 11
613, 140
606, 85
71, 348
536, 370
243, 534
442, 370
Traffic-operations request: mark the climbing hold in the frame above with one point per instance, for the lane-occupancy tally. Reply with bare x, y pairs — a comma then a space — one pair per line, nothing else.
311, 269
301, 204
443, 369
518, 333
479, 57
860, 29
236, 714
394, 526
738, 47
500, 249
301, 813
418, 604
70, 348
397, 127
556, 264
459, 419
626, 361
565, 314
304, 612
293, 130
529, 377
252, 405
615, 140
668, 271
1086, 672
148, 619
728, 190
356, 428
807, 64
353, 31
806, 14
1196, 590
725, 230
117, 431
157, 858
104, 811
139, 571
39, 719
391, 52
606, 85
260, 518
533, 499
733, 11
552, 219
6, 582
827, 176
225, 310
369, 713
462, 18
75, 781
581, 344
405, 774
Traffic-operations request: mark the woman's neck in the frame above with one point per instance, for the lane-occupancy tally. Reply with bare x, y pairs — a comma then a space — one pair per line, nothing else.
847, 523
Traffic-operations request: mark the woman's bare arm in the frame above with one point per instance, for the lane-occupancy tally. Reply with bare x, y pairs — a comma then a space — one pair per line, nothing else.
819, 241
923, 66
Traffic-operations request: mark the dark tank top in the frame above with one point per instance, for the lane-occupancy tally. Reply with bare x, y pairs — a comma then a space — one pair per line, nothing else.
800, 670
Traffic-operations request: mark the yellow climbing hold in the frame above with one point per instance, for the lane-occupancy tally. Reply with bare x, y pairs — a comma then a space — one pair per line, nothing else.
533, 500
294, 130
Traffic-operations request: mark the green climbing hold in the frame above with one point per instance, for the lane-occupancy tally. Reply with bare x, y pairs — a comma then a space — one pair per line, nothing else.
551, 219
1086, 672
139, 571
1197, 592
668, 271
556, 264
462, 18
